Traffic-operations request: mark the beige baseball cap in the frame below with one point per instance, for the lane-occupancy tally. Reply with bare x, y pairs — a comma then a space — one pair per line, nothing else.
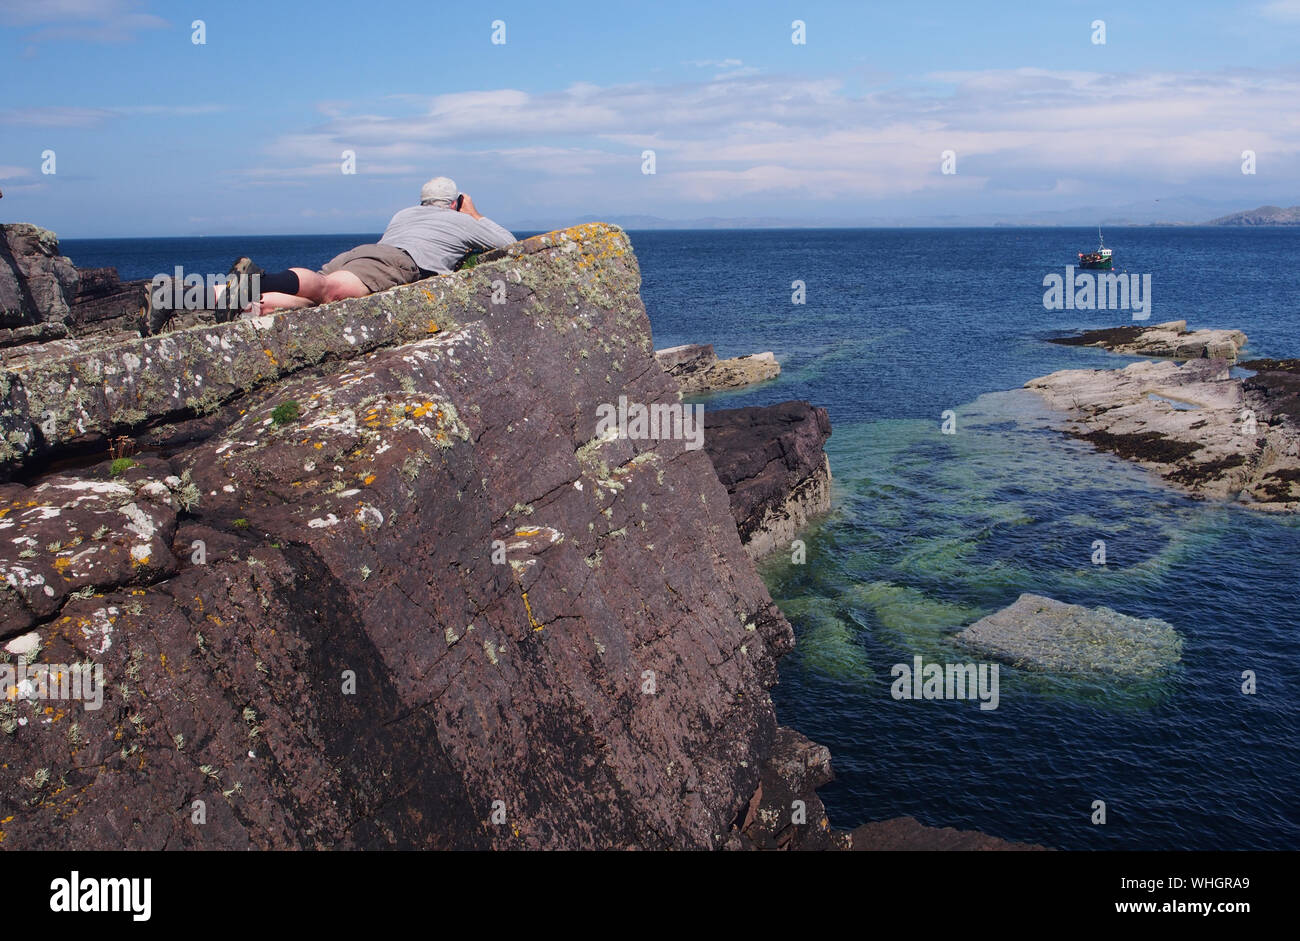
440, 189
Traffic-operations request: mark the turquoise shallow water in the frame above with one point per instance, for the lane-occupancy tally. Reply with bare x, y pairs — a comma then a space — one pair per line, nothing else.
930, 532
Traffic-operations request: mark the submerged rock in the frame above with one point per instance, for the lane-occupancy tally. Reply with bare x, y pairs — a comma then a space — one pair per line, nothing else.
1044, 634
772, 462
1172, 340
909, 834
697, 368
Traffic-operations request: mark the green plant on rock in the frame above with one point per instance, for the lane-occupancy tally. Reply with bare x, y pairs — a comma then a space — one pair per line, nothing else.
121, 465
285, 412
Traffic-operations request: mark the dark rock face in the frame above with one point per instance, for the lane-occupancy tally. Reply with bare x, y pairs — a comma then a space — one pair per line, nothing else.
37, 284
104, 303
44, 297
772, 462
1275, 388
785, 812
386, 587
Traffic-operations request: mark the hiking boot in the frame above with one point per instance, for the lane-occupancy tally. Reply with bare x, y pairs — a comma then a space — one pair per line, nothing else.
245, 265
228, 306
154, 317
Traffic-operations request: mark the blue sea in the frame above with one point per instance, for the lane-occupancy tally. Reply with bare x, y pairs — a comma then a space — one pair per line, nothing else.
930, 532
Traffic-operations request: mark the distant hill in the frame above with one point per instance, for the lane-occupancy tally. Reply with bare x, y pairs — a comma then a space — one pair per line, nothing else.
1264, 215
1168, 210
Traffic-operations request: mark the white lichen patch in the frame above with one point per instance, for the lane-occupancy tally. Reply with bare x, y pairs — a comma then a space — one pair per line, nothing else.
156, 492
321, 523
23, 579
138, 522
24, 643
104, 487
340, 422
99, 631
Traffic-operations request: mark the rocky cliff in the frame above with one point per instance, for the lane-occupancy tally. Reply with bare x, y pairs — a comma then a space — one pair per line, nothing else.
368, 576
772, 462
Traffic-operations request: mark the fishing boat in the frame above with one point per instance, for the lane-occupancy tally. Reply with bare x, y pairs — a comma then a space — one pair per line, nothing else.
1100, 259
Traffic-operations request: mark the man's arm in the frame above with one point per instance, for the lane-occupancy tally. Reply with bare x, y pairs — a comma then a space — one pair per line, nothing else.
494, 236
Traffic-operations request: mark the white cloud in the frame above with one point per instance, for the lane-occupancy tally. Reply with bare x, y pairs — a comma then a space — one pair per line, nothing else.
1288, 11
714, 63
89, 20
63, 116
747, 137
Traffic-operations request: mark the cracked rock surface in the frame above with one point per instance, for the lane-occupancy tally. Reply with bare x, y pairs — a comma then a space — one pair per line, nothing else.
374, 581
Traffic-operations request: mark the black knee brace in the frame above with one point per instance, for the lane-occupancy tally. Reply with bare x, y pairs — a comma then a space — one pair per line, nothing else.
281, 282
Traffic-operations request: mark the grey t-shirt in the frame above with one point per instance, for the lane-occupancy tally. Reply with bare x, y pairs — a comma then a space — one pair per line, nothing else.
438, 238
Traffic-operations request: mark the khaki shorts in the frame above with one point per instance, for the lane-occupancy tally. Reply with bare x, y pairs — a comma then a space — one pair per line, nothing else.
379, 267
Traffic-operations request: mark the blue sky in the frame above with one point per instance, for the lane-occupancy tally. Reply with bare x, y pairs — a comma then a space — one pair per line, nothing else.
154, 135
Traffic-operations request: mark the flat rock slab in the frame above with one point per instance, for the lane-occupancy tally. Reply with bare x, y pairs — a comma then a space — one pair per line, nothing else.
1041, 633
75, 393
1170, 340
697, 369
1194, 424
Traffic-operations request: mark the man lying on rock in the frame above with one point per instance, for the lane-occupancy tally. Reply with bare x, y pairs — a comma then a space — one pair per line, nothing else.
428, 239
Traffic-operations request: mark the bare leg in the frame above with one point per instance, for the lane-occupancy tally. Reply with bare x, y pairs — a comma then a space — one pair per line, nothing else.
311, 284
344, 284
269, 303
311, 290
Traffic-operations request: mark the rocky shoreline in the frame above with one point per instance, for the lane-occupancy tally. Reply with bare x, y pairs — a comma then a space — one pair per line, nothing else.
1170, 340
1209, 430
365, 577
